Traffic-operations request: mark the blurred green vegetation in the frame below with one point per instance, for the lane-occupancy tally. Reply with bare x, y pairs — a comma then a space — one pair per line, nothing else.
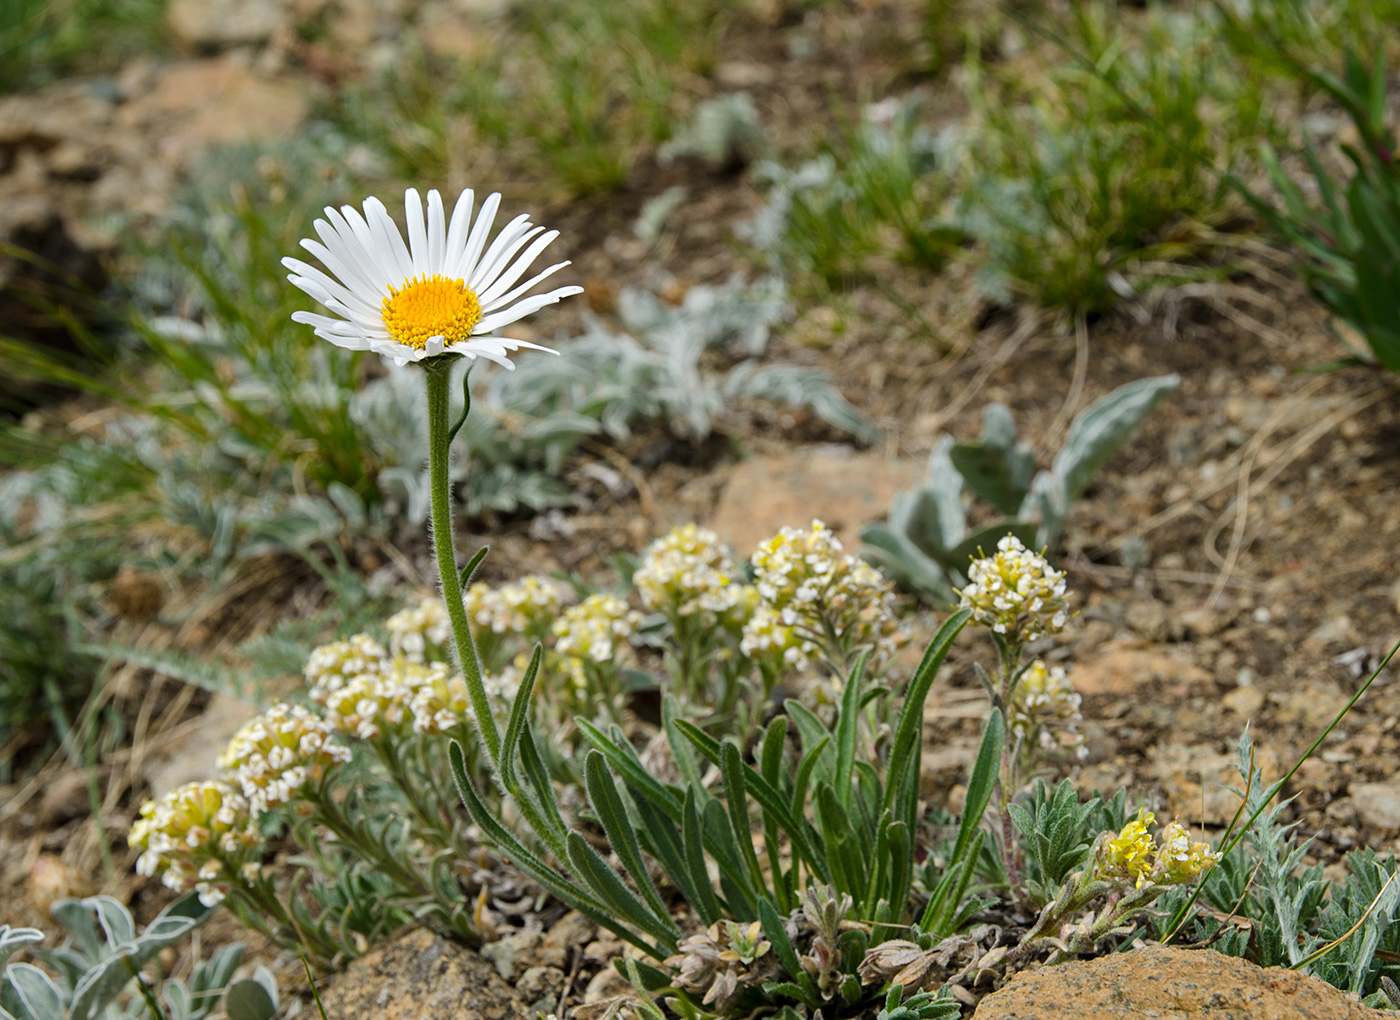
568, 95
43, 40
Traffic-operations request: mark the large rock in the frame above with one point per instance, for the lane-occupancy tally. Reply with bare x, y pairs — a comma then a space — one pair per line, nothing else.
846, 490
420, 976
1170, 984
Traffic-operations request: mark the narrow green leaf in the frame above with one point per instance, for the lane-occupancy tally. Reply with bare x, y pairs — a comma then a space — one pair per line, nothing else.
681, 749
589, 865
903, 775
496, 834
602, 792
847, 729
723, 845
465, 578
623, 758
805, 767
732, 773
765, 795
771, 754
538, 775
663, 842
706, 902
519, 714
776, 932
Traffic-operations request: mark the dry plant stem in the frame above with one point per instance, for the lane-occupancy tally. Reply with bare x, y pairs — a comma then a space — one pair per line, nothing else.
438, 372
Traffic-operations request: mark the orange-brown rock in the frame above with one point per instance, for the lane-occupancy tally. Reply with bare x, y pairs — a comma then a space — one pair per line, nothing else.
419, 975
1169, 984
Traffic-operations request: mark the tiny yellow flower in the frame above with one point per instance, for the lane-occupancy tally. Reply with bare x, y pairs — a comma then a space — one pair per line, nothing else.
1181, 860
1130, 854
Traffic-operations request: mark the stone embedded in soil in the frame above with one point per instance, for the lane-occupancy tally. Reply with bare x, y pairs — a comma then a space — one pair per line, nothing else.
1377, 804
195, 756
1170, 984
846, 490
1124, 667
219, 24
419, 975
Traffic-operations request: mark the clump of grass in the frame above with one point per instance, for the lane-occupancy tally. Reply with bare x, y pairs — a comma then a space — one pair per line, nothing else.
1101, 176
876, 193
574, 89
1281, 36
41, 40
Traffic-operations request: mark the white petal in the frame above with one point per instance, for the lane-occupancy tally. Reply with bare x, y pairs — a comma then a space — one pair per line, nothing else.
385, 266
390, 241
417, 236
436, 232
466, 263
457, 232
504, 282
354, 284
491, 306
495, 256
491, 323
329, 288
352, 268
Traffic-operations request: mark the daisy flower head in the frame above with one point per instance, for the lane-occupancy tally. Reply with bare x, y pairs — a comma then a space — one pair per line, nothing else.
444, 292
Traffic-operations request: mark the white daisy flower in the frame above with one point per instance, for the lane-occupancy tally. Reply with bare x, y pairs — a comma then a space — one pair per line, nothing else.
446, 291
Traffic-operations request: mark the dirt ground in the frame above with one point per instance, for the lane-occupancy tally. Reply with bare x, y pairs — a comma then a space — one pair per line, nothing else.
1231, 566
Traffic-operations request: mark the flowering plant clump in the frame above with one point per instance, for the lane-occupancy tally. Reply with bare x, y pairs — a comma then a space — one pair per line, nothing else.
1016, 593
330, 666
588, 638
689, 573
417, 632
368, 703
279, 753
1045, 713
1130, 854
523, 610
831, 603
200, 836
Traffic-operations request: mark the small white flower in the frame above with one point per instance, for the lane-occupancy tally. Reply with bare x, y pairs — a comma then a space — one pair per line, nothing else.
446, 291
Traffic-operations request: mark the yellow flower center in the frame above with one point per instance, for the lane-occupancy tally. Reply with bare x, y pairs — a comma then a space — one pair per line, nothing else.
429, 306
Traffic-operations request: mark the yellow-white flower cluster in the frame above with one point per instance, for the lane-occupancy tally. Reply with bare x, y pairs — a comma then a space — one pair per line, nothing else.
1181, 859
369, 702
688, 573
275, 755
1132, 855
330, 666
413, 630
1045, 706
440, 702
526, 606
810, 591
594, 629
1016, 592
194, 836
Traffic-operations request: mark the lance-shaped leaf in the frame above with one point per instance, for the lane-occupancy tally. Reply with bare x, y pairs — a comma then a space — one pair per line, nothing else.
1101, 428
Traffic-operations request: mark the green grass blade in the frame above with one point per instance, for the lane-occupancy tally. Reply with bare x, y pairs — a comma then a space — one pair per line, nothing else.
622, 837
